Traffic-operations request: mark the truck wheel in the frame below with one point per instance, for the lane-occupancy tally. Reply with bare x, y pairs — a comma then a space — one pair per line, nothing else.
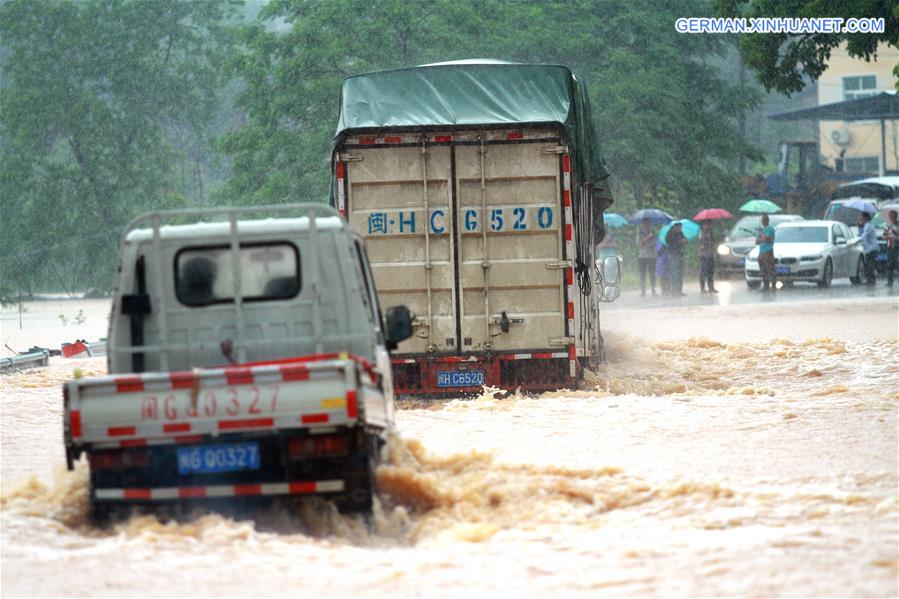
103, 515
361, 484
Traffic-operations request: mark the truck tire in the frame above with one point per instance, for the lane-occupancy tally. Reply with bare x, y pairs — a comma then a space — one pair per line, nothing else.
361, 484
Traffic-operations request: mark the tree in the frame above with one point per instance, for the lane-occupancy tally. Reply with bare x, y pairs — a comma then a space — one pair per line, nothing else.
784, 61
665, 114
93, 97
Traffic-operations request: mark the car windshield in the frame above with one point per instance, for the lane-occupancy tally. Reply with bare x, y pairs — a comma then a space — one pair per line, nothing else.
801, 235
748, 226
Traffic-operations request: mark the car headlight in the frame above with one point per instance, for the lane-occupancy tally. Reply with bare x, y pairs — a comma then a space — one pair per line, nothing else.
811, 258
723, 250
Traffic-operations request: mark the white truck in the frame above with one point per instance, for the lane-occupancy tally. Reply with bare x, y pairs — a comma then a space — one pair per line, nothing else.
246, 359
479, 189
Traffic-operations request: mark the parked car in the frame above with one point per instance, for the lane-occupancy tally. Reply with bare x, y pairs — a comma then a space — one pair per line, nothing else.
741, 239
814, 250
849, 216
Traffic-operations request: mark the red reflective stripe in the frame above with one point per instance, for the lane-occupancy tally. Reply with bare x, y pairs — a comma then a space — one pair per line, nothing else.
120, 431
567, 195
225, 425
543, 356
294, 372
192, 492
75, 422
351, 408
572, 352
182, 380
239, 376
570, 309
393, 140
569, 275
176, 427
367, 140
342, 212
515, 136
129, 384
137, 493
313, 418
568, 232
133, 443
247, 490
443, 138
188, 439
341, 170
301, 488
566, 163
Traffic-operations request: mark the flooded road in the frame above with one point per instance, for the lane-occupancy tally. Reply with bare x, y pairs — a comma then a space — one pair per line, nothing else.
723, 450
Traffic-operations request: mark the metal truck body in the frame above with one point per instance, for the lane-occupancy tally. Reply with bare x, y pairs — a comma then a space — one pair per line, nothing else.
487, 233
246, 358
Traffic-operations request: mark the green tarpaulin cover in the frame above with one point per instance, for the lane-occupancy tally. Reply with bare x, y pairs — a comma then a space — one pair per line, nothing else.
474, 93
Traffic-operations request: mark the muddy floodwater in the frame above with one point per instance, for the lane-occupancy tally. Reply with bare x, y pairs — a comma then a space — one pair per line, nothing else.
721, 451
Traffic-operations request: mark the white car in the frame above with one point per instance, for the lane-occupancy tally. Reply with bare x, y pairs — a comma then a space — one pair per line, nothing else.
812, 250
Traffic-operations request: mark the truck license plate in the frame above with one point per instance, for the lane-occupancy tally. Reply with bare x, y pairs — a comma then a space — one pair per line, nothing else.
782, 270
218, 458
460, 378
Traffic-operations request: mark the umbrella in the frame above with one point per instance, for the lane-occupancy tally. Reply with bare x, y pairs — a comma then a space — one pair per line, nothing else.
760, 206
713, 214
860, 205
653, 215
613, 220
688, 228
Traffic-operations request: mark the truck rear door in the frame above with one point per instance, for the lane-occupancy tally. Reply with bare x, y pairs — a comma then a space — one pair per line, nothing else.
464, 229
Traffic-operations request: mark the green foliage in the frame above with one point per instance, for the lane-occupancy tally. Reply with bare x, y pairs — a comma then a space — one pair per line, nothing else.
665, 115
784, 62
93, 98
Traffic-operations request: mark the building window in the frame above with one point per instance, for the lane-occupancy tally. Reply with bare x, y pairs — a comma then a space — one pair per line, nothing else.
862, 164
859, 87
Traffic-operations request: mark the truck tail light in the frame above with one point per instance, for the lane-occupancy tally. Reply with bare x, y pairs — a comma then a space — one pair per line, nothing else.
118, 460
317, 446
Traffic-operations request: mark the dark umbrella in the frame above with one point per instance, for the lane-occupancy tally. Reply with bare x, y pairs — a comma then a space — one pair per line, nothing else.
653, 215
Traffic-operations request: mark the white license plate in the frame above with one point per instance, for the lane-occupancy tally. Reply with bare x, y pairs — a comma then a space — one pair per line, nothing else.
203, 459
460, 378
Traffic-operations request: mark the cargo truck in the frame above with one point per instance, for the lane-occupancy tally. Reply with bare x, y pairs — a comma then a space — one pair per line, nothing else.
246, 360
479, 188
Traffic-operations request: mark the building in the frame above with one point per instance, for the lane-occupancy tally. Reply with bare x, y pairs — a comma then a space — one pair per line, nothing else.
855, 148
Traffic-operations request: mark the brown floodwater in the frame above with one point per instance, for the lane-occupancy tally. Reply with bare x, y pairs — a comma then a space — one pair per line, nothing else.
720, 463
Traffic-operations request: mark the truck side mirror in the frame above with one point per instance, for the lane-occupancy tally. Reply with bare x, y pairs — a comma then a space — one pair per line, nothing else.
611, 278
399, 325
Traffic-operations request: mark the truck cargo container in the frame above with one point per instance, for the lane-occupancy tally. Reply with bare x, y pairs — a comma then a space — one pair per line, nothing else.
479, 188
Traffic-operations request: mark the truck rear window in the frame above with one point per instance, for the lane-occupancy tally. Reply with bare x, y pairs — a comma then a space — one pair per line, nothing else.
268, 271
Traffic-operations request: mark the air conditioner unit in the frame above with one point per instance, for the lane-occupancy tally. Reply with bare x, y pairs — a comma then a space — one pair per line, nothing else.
840, 137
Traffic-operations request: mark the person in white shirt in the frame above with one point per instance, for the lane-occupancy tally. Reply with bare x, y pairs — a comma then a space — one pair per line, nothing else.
868, 239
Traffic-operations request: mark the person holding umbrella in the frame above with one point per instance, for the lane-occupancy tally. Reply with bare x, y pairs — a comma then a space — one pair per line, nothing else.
708, 245
868, 239
646, 244
676, 242
765, 241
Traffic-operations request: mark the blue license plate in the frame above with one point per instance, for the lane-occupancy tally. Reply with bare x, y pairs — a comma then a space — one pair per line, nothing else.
460, 378
741, 262
782, 270
204, 459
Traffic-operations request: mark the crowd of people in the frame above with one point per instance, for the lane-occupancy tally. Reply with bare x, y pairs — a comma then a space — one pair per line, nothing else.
664, 260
